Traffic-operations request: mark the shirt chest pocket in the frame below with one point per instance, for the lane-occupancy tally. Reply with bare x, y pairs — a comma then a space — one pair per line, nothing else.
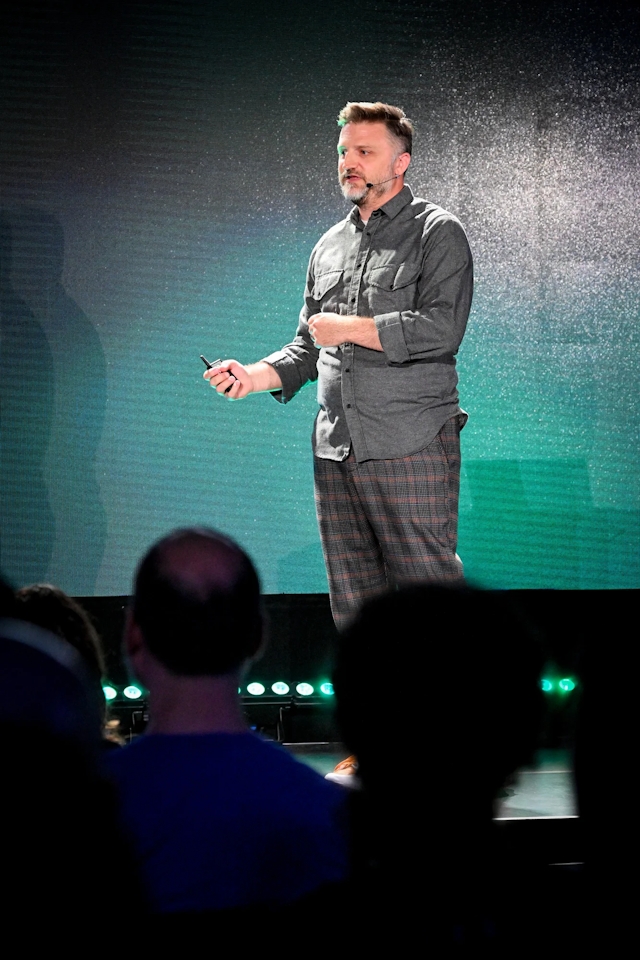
326, 289
394, 286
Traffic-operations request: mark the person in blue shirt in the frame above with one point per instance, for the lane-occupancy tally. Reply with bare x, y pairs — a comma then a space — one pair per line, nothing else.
219, 817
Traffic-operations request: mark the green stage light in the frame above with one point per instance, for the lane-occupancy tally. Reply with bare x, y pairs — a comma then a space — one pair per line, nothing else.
255, 689
304, 689
110, 693
567, 684
132, 692
327, 689
546, 685
280, 688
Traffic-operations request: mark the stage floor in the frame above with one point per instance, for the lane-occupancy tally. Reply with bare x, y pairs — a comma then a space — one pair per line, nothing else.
542, 790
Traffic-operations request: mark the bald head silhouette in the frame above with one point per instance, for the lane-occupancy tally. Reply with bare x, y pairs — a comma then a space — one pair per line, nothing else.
197, 603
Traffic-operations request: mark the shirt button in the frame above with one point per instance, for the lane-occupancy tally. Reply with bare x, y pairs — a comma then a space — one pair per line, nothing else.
348, 370
348, 406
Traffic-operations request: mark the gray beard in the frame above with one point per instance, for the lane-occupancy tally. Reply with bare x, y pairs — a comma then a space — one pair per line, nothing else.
359, 198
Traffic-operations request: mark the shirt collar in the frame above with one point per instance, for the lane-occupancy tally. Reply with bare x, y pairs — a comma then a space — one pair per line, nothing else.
391, 208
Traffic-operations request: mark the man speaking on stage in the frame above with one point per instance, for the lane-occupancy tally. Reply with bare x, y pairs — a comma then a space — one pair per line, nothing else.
386, 304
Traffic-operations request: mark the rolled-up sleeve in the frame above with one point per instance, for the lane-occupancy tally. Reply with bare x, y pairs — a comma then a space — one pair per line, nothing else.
434, 329
295, 366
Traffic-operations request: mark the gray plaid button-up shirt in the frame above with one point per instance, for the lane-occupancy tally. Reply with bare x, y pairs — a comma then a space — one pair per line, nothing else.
409, 268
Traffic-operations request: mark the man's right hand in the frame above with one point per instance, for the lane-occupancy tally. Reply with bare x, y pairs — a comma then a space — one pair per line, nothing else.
230, 379
234, 381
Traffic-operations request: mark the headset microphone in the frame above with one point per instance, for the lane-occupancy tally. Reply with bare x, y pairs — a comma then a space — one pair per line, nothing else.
383, 181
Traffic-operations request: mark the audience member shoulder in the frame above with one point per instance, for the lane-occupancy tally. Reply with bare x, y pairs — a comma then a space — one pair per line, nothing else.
158, 750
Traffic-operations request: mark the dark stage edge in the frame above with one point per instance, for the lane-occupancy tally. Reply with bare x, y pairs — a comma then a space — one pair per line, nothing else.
302, 637
302, 644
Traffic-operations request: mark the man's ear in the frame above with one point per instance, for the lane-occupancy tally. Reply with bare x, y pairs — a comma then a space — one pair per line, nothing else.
401, 164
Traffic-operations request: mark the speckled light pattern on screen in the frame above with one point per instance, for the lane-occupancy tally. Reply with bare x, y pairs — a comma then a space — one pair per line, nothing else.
187, 151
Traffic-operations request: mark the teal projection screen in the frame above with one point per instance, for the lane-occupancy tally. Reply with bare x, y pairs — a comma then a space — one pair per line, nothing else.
165, 171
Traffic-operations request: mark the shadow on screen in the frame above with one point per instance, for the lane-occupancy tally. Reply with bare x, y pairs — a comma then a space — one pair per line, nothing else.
53, 374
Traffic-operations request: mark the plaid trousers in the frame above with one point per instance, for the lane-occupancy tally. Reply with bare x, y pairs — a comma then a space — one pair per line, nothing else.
389, 522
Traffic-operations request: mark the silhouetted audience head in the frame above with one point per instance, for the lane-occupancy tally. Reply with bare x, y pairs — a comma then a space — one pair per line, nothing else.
60, 814
221, 819
53, 609
197, 603
45, 682
438, 693
441, 683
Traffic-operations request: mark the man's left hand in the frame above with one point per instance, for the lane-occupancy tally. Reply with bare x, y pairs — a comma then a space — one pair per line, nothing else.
328, 329
332, 329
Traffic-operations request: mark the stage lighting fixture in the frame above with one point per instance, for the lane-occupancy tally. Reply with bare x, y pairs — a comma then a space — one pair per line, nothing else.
255, 689
304, 689
110, 693
132, 692
566, 685
327, 689
280, 688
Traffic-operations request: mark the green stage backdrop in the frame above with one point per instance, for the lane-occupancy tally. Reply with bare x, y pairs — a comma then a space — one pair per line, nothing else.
166, 169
